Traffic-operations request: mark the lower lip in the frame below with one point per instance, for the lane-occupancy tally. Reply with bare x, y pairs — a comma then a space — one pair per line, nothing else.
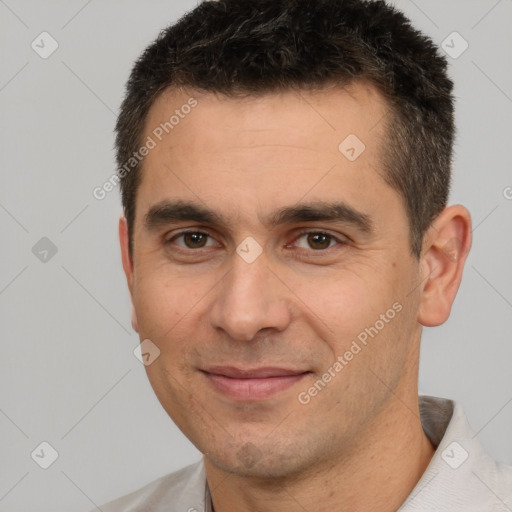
252, 389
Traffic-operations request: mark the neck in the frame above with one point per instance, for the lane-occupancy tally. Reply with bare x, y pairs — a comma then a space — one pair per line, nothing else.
390, 457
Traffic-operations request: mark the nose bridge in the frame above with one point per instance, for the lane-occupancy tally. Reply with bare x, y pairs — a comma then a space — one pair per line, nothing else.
245, 278
249, 298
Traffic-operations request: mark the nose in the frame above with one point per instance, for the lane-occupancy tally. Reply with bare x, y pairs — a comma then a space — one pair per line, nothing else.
250, 298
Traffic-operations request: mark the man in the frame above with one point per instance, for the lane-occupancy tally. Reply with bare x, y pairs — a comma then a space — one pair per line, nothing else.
285, 169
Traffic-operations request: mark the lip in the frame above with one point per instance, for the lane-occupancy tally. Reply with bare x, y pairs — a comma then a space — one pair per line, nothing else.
252, 384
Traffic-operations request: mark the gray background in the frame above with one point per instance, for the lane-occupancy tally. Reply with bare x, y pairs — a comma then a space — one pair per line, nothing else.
68, 375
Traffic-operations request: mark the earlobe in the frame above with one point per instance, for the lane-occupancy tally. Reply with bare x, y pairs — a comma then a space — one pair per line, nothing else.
127, 265
446, 246
135, 324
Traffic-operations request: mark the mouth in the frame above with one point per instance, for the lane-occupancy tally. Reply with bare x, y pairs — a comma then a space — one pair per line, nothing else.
252, 384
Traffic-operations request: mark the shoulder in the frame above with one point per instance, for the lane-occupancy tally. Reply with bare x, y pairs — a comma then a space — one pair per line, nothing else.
497, 478
183, 490
461, 474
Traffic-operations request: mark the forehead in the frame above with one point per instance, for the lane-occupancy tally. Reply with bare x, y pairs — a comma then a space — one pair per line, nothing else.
303, 117
268, 150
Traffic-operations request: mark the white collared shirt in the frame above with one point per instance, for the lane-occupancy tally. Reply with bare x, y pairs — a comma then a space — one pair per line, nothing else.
461, 477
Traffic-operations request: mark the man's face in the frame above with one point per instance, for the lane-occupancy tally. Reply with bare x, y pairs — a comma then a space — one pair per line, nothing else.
259, 300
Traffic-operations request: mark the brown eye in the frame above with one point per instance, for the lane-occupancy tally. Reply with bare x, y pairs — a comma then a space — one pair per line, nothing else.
192, 240
318, 241
195, 240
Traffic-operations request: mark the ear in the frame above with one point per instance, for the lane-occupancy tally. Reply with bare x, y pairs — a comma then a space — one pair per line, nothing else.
127, 264
445, 248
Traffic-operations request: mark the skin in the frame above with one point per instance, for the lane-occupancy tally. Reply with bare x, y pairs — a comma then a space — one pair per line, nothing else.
358, 444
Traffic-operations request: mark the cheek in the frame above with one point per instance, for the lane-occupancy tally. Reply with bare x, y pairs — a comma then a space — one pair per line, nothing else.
162, 303
167, 315
346, 304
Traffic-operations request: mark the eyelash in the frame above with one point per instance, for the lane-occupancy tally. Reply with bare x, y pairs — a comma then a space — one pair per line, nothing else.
302, 233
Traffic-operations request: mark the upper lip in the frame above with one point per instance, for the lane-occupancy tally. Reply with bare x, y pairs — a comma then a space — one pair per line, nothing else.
255, 373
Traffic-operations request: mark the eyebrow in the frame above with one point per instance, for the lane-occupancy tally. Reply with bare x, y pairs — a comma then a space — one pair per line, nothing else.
172, 211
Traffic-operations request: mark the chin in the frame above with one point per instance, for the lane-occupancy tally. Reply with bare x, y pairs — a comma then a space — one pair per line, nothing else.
249, 460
